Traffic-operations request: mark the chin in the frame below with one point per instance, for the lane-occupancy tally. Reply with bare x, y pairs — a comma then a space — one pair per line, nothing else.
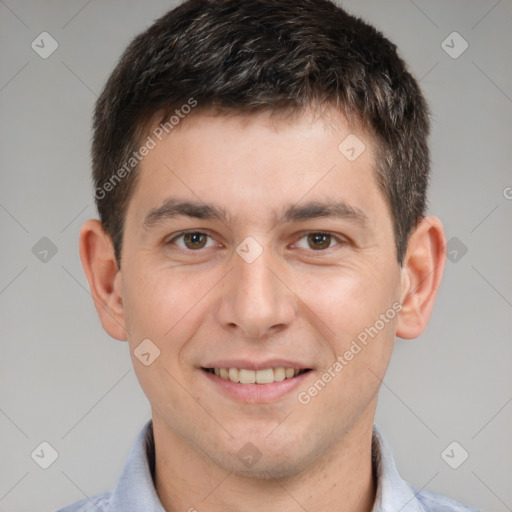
266, 461
281, 468
268, 452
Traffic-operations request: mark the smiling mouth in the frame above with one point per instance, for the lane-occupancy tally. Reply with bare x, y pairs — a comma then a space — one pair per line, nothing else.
266, 376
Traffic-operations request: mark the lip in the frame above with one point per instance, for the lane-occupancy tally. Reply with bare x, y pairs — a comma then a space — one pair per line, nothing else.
255, 365
255, 393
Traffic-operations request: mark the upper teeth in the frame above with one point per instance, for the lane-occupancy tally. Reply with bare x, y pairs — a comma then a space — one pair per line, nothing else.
265, 376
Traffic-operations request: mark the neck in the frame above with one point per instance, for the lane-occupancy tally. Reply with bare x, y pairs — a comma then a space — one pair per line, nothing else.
340, 480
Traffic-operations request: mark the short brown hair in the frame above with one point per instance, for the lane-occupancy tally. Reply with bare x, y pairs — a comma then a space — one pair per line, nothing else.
246, 56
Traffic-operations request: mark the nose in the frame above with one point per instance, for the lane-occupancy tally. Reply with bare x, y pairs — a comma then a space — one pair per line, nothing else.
255, 300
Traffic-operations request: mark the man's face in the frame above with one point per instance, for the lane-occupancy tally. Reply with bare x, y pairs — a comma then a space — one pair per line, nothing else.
288, 256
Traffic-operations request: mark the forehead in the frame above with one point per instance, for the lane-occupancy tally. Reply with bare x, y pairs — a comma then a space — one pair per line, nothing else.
250, 166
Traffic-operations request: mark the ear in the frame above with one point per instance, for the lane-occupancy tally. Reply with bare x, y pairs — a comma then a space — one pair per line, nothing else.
422, 271
100, 266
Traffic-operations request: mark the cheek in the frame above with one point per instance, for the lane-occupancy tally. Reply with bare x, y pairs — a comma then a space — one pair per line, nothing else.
164, 306
357, 319
348, 300
355, 314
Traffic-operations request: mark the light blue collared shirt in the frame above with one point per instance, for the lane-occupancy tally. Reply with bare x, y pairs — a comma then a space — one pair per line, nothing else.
135, 490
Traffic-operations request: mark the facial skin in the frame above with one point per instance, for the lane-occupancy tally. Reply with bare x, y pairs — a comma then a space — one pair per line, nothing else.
300, 303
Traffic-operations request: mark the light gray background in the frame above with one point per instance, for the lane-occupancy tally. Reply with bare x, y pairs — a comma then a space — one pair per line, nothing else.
64, 381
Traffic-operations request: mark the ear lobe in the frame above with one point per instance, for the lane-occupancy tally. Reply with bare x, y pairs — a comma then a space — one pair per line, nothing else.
421, 276
100, 267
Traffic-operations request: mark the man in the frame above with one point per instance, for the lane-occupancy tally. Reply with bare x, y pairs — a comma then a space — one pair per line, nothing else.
260, 172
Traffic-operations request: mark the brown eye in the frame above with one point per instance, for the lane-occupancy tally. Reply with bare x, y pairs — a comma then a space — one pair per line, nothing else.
319, 241
194, 240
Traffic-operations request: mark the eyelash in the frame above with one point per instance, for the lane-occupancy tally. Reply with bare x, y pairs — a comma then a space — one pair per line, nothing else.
337, 239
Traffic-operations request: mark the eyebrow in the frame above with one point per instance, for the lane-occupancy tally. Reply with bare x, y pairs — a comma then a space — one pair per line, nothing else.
173, 207
329, 208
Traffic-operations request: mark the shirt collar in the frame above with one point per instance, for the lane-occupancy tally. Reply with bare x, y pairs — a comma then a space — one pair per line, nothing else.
135, 489
393, 493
